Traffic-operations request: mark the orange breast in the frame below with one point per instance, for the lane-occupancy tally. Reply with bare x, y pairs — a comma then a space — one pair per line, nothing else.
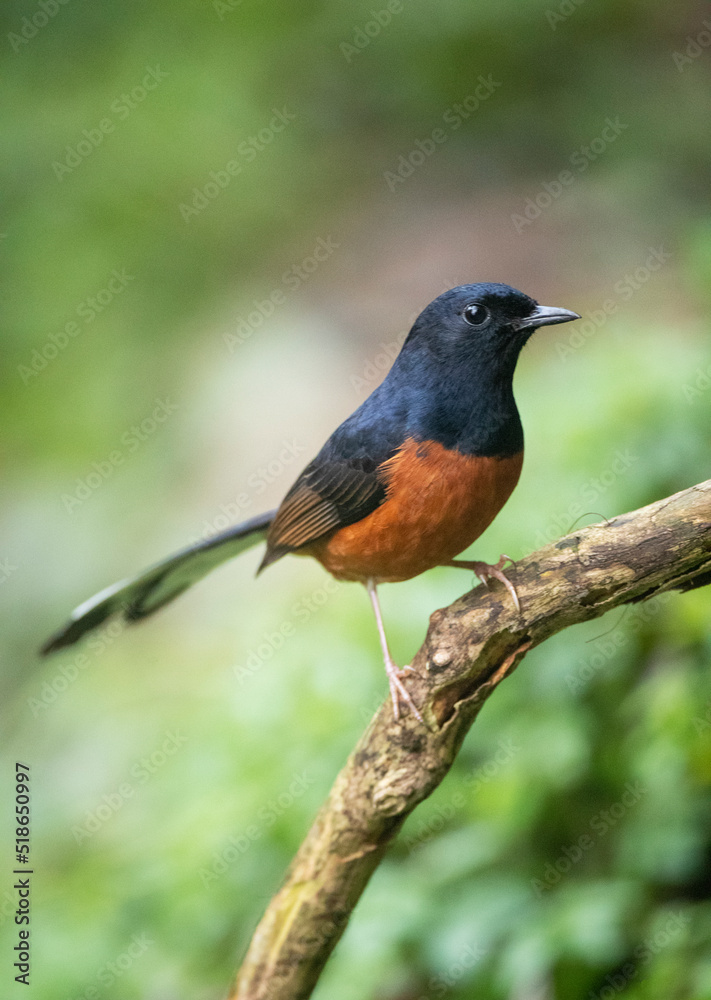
438, 502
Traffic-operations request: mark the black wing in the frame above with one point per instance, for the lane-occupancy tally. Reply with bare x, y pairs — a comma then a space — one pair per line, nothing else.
344, 483
326, 496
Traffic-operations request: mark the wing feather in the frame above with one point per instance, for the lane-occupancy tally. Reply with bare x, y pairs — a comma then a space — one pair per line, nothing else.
329, 494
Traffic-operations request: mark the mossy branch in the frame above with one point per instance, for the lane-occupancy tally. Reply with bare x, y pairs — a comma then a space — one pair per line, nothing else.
470, 648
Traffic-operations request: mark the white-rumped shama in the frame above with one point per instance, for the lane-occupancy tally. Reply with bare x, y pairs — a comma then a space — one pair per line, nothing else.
407, 482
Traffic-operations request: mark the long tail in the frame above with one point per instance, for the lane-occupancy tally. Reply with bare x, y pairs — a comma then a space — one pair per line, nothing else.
144, 594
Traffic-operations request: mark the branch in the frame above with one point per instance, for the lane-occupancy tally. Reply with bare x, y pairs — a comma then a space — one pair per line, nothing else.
470, 648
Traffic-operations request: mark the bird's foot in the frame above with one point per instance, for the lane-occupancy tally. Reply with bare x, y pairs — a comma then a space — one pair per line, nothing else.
398, 691
485, 572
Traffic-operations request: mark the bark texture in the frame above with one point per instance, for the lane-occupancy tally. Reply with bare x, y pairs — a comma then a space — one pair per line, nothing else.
470, 648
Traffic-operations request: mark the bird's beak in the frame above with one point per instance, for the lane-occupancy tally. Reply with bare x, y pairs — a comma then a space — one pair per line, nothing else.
546, 316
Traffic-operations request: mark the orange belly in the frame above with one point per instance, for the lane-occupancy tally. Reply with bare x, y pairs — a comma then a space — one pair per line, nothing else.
438, 502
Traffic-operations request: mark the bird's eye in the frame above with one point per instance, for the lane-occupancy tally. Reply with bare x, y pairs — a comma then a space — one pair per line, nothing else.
475, 314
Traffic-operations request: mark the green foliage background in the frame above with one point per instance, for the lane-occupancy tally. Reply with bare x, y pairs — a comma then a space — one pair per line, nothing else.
260, 688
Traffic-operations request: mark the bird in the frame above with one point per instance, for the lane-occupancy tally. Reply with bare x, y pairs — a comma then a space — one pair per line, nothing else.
406, 483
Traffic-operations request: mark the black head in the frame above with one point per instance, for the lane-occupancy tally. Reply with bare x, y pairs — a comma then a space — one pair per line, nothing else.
485, 319
452, 382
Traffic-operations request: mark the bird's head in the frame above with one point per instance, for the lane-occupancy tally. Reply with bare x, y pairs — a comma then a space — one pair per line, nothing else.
484, 319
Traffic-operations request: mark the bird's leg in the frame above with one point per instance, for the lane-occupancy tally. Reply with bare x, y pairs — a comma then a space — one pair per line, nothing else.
398, 691
484, 571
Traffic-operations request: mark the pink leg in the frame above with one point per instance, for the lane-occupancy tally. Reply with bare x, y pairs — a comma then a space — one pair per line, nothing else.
484, 571
398, 691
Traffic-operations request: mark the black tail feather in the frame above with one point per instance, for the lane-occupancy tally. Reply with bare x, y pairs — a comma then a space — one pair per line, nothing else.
162, 583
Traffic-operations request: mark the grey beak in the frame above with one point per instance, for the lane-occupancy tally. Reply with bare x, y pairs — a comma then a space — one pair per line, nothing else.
546, 316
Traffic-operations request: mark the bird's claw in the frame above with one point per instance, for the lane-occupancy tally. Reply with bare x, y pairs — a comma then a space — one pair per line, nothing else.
398, 691
485, 572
